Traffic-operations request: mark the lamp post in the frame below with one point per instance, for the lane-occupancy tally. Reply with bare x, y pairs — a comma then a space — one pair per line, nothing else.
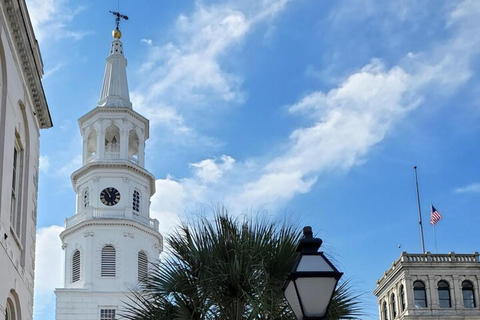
309, 287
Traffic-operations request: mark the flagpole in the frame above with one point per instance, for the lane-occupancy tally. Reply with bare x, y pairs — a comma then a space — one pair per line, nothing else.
419, 210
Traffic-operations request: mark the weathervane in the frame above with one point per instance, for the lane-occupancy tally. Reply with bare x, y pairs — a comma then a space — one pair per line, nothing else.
116, 33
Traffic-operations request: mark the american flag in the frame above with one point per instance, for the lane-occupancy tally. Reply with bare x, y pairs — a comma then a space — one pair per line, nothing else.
435, 216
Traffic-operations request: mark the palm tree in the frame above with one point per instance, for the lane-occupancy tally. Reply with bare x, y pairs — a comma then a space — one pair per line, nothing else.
230, 270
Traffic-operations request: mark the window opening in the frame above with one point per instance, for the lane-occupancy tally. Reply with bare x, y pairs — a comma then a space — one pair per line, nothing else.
107, 314
419, 294
142, 266
402, 297
108, 261
15, 212
385, 311
444, 294
468, 294
394, 306
76, 266
136, 201
86, 198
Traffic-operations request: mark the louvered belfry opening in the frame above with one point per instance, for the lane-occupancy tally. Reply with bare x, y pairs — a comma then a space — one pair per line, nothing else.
76, 266
142, 266
108, 261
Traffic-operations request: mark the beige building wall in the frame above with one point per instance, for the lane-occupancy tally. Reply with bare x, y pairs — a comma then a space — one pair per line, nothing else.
430, 286
23, 112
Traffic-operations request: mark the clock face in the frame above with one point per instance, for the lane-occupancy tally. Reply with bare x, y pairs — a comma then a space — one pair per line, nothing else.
110, 196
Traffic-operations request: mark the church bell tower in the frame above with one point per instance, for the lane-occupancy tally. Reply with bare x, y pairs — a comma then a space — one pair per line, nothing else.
110, 240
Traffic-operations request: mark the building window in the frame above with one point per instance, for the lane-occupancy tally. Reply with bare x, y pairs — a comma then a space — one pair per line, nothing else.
468, 295
142, 266
394, 306
385, 311
419, 294
107, 314
136, 201
17, 175
86, 198
108, 261
444, 294
10, 311
402, 297
76, 266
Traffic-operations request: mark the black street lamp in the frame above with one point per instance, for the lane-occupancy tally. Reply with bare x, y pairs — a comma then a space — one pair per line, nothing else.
310, 286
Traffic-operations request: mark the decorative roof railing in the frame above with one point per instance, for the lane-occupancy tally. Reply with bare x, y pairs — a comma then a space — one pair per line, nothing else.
110, 213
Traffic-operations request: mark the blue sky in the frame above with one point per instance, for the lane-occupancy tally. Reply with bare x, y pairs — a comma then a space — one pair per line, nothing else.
311, 111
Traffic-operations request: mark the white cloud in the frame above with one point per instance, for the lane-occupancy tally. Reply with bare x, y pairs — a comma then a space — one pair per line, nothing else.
147, 41
44, 163
211, 170
51, 19
187, 74
49, 268
346, 122
470, 188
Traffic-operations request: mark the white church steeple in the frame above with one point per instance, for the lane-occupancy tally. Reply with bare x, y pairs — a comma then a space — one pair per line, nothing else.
111, 238
115, 87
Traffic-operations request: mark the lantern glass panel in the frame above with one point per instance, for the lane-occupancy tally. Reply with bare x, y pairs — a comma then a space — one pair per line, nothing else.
315, 294
292, 298
313, 263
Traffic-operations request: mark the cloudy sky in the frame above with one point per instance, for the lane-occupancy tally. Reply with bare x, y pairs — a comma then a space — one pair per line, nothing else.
311, 111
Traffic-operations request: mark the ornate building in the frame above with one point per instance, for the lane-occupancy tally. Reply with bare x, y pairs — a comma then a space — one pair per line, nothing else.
23, 112
430, 286
111, 238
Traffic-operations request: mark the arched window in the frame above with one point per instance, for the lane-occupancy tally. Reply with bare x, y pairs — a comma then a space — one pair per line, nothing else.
17, 183
10, 311
92, 145
76, 266
86, 198
394, 305
402, 297
385, 311
133, 143
419, 294
468, 295
108, 261
142, 265
444, 294
136, 201
112, 140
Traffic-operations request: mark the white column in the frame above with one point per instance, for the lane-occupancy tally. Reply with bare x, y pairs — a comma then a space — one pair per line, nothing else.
100, 141
141, 151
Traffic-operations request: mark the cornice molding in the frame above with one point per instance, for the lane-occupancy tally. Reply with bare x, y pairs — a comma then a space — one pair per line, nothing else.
118, 110
111, 222
28, 56
113, 165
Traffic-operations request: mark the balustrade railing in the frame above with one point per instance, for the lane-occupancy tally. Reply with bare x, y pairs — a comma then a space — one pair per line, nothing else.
450, 257
110, 213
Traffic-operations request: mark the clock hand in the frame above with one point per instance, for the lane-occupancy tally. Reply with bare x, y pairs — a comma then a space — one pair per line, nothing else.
109, 194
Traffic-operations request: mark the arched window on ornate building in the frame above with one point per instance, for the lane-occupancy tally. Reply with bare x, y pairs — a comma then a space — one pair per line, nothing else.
108, 263
142, 265
133, 143
468, 294
420, 294
444, 294
76, 266
393, 302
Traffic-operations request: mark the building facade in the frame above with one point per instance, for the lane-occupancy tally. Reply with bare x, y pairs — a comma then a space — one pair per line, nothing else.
430, 286
23, 112
111, 239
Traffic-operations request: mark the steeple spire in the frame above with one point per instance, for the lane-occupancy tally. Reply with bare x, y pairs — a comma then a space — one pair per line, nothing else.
115, 86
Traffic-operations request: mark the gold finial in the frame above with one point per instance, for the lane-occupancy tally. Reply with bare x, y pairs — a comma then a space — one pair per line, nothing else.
116, 33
